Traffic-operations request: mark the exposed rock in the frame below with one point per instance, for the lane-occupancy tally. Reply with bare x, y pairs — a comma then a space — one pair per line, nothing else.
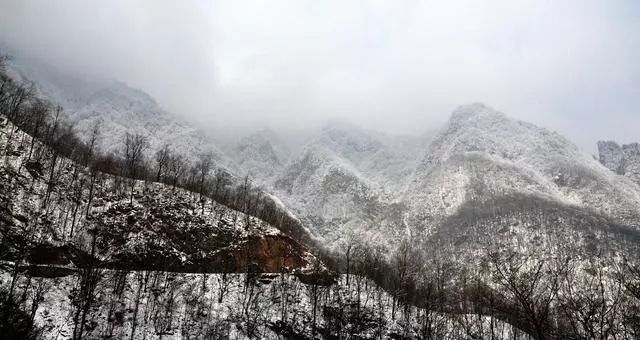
623, 160
34, 168
611, 155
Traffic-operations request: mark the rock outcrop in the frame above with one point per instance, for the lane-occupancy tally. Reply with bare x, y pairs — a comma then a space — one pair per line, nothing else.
623, 160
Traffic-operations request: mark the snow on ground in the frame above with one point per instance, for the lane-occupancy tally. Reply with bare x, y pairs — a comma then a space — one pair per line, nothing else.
164, 305
153, 224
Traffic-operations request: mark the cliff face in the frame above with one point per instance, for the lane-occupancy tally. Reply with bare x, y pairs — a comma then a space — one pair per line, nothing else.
611, 155
623, 160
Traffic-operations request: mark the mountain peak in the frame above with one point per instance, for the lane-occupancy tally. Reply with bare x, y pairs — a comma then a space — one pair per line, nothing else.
339, 125
474, 111
479, 128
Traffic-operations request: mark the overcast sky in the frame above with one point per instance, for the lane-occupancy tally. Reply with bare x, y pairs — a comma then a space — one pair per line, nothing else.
396, 66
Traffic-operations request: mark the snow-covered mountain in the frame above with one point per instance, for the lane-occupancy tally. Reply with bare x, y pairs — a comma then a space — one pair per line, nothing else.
427, 236
347, 181
119, 109
382, 158
491, 182
261, 155
481, 155
98, 255
332, 196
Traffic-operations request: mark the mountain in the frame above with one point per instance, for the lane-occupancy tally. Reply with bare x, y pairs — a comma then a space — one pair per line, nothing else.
382, 158
345, 183
494, 228
348, 182
119, 109
96, 255
261, 155
143, 226
490, 183
481, 154
332, 197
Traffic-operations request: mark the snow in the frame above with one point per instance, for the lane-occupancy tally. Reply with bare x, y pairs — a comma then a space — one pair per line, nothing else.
486, 182
119, 109
509, 156
178, 306
155, 220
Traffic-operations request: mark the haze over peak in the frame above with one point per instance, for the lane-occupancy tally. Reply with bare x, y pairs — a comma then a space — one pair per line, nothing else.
464, 112
309, 169
391, 66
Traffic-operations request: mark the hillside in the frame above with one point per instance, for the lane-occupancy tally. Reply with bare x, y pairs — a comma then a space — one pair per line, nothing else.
346, 182
349, 183
93, 259
157, 227
118, 109
261, 155
482, 155
498, 229
333, 198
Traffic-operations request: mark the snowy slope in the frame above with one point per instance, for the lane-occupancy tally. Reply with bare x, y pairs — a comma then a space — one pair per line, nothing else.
381, 158
481, 155
261, 155
351, 182
166, 305
62, 205
346, 181
119, 109
148, 250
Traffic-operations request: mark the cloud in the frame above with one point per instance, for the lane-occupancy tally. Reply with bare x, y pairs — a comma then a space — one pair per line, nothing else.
399, 66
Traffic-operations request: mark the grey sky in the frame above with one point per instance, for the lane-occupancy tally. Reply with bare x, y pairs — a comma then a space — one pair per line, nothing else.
396, 66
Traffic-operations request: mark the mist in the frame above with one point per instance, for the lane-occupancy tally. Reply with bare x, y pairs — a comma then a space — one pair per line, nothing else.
392, 66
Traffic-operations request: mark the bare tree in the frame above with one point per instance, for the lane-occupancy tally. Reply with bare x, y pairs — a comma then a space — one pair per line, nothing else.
94, 135
54, 140
221, 181
203, 166
134, 147
590, 302
315, 290
89, 278
628, 275
349, 245
532, 285
13, 97
176, 166
162, 158
38, 114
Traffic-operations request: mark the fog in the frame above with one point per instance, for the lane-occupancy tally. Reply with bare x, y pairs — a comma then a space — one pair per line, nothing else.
394, 66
